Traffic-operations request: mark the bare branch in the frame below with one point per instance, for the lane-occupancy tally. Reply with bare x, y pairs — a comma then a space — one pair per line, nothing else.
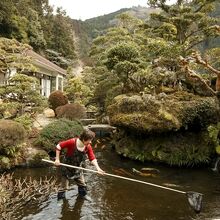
14, 194
203, 62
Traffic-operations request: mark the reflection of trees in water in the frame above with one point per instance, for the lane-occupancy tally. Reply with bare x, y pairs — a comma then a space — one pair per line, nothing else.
68, 212
16, 193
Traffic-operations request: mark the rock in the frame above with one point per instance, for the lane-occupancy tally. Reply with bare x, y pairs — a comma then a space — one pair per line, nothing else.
41, 121
34, 156
49, 113
101, 130
177, 111
174, 130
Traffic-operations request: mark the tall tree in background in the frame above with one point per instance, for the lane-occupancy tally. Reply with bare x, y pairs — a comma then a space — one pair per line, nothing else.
6, 12
186, 24
35, 33
62, 40
33, 22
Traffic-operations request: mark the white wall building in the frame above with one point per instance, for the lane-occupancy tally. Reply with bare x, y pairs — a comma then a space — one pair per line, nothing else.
50, 75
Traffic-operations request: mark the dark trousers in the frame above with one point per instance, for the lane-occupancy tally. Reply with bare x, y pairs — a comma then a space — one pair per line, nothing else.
79, 180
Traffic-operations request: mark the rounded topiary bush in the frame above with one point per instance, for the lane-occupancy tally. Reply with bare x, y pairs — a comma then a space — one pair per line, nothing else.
57, 131
56, 99
71, 111
12, 135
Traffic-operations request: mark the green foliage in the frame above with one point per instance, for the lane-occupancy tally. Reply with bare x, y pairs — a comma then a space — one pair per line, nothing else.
120, 53
14, 63
58, 59
57, 131
218, 150
7, 10
71, 111
188, 157
12, 135
20, 26
212, 56
36, 160
4, 163
102, 89
183, 23
147, 113
112, 93
159, 47
213, 131
102, 44
182, 149
26, 120
34, 23
56, 99
64, 41
24, 90
13, 56
35, 33
9, 109
77, 91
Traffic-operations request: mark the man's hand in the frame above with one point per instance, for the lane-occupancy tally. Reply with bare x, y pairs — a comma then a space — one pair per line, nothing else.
57, 162
100, 171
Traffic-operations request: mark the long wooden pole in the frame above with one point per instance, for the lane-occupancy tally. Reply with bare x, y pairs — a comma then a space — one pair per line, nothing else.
112, 175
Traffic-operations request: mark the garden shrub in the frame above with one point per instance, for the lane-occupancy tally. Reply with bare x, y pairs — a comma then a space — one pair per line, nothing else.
12, 135
26, 120
56, 99
57, 131
9, 109
71, 111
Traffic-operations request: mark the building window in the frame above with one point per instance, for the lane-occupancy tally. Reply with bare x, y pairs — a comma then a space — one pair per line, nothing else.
53, 84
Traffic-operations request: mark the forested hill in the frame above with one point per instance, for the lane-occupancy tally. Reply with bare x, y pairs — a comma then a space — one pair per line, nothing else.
97, 25
91, 28
55, 35
51, 32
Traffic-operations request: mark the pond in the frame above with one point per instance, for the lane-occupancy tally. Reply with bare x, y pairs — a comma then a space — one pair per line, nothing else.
116, 199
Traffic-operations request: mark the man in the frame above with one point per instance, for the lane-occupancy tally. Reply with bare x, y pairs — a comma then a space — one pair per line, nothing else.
78, 149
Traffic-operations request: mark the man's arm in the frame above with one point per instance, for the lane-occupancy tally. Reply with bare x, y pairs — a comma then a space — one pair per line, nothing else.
95, 163
57, 160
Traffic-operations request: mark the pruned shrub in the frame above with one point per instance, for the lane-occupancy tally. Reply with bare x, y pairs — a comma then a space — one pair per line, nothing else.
12, 135
9, 109
26, 120
57, 131
71, 111
56, 99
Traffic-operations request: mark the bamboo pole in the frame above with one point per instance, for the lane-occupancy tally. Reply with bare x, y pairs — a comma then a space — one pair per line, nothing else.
116, 176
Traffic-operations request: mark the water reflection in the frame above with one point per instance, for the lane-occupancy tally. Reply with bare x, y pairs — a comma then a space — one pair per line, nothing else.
68, 212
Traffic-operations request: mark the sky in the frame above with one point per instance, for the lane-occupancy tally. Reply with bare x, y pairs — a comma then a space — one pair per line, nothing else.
84, 9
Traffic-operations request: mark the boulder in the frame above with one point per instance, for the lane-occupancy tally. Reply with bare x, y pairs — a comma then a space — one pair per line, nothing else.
49, 113
150, 114
175, 129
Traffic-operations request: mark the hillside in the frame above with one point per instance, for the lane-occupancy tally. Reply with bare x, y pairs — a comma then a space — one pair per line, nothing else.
89, 29
97, 25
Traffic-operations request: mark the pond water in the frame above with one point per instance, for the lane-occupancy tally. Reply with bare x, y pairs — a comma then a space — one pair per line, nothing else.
116, 199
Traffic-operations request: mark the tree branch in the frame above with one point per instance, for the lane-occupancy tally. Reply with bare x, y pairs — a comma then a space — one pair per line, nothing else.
199, 60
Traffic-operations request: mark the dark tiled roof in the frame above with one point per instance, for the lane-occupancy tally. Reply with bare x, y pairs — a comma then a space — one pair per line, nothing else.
43, 62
